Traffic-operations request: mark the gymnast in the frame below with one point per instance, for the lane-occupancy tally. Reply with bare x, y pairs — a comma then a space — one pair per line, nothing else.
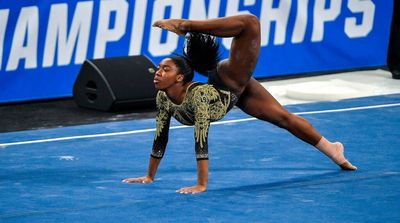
230, 83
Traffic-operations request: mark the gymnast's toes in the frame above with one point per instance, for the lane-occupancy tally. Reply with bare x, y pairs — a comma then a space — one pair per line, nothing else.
348, 166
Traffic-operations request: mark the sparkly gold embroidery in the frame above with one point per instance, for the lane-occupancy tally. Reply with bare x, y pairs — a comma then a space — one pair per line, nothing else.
161, 120
201, 101
162, 116
202, 104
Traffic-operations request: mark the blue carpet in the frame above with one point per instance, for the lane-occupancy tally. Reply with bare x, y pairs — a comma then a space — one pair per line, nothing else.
258, 172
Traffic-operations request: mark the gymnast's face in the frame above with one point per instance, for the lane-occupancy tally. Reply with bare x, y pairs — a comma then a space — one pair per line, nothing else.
167, 75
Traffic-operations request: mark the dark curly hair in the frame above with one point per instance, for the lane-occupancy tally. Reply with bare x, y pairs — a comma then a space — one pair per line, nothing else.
200, 53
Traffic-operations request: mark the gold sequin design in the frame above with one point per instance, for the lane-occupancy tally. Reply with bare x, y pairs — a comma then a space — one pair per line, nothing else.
202, 98
203, 94
202, 105
162, 115
219, 110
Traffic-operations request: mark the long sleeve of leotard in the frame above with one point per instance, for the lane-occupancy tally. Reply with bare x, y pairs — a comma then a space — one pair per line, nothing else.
202, 124
163, 119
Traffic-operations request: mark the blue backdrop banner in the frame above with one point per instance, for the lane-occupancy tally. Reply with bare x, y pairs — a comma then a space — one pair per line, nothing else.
44, 42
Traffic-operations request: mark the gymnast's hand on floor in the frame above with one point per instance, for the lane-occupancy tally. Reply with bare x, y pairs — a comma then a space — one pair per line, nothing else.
143, 180
192, 190
173, 25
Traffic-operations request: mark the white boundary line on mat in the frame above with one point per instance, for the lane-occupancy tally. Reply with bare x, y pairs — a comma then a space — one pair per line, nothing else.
4, 145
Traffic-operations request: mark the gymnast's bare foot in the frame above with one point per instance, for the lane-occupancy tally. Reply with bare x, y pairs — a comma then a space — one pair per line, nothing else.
143, 180
173, 25
192, 190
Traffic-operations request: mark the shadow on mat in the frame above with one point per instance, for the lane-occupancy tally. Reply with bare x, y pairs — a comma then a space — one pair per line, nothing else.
313, 180
230, 169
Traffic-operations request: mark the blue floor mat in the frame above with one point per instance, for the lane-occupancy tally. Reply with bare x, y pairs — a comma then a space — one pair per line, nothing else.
258, 172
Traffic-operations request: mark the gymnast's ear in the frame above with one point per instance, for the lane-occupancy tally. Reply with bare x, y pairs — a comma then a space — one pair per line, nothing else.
180, 77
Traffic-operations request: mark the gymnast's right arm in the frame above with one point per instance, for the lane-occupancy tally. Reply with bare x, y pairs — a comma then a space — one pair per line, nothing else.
163, 119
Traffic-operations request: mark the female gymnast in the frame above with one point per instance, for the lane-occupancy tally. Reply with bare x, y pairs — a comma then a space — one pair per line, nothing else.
230, 83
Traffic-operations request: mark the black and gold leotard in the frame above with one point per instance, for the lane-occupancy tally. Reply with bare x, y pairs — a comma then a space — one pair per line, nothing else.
202, 104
